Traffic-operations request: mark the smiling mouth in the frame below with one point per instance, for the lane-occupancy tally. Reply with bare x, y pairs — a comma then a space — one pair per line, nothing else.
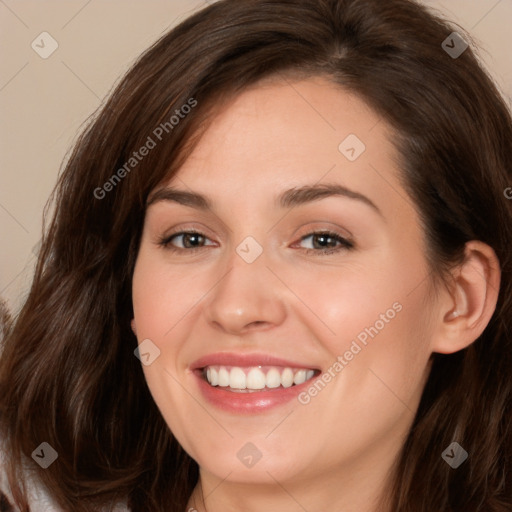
252, 379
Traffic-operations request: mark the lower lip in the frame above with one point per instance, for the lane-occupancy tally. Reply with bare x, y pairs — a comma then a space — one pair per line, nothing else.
248, 402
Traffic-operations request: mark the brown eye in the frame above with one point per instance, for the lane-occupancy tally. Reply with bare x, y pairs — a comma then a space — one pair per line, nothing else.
184, 240
325, 242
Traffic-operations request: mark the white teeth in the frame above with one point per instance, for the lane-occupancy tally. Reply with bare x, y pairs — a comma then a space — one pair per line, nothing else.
287, 378
213, 378
299, 377
223, 377
273, 378
256, 378
237, 378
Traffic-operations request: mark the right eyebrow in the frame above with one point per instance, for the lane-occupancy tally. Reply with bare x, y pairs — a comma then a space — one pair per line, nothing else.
181, 197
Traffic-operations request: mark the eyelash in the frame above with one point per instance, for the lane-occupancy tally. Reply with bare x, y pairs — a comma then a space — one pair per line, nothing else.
345, 244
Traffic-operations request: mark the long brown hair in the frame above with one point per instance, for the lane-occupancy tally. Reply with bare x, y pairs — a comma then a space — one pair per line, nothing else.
68, 373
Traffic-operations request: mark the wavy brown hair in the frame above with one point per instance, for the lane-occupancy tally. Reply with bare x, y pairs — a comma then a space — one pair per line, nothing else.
68, 373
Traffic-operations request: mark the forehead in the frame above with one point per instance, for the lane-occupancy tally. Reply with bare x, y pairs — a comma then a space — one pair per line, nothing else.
282, 133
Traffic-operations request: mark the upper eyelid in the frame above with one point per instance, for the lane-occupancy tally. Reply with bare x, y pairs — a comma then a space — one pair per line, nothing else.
308, 234
186, 232
315, 228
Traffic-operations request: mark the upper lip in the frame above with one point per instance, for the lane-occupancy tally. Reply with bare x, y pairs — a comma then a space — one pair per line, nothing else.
245, 360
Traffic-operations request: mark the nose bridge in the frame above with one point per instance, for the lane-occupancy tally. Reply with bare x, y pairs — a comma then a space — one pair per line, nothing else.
247, 294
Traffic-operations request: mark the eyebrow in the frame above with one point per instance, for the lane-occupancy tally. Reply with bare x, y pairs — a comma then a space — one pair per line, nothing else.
288, 199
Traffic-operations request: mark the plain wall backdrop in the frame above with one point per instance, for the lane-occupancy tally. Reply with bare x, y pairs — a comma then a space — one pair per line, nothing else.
45, 101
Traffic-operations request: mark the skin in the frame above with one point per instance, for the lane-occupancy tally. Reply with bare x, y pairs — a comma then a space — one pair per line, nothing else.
335, 452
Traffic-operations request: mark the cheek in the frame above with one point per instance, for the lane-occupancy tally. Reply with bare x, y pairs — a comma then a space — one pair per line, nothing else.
157, 314
378, 365
343, 302
375, 316
154, 295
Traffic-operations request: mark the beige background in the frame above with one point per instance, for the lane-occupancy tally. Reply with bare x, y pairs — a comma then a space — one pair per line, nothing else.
43, 102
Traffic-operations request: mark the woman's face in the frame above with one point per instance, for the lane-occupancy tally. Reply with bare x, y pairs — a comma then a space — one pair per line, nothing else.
308, 260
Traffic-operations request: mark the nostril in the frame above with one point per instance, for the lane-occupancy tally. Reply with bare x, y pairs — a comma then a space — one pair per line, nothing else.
256, 324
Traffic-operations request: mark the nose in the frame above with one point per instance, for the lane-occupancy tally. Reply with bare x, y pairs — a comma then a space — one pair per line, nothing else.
247, 298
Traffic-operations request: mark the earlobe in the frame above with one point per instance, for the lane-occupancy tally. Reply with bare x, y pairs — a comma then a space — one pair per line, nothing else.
468, 307
133, 326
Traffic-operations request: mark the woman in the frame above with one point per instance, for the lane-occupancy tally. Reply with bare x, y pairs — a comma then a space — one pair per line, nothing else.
277, 277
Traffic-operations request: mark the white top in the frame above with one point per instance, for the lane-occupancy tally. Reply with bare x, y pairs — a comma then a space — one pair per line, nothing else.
38, 497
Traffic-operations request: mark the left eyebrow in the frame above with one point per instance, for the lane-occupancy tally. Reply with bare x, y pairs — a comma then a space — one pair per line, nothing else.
287, 199
310, 193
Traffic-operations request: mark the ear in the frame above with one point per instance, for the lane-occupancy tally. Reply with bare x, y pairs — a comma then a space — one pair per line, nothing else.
467, 307
134, 326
